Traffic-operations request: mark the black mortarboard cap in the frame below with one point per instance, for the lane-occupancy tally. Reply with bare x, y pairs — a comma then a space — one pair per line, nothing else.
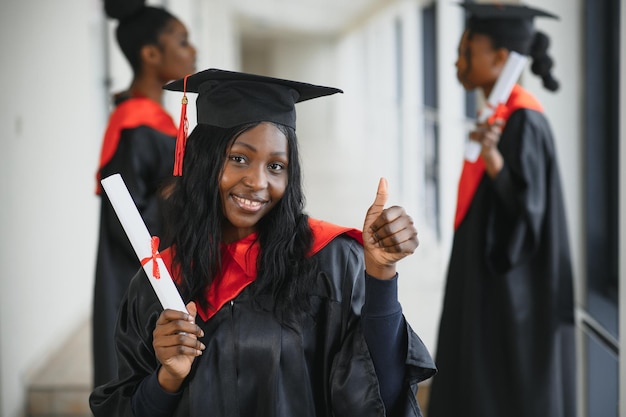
512, 25
498, 10
227, 98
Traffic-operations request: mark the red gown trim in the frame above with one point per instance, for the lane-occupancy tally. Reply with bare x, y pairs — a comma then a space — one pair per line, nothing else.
239, 263
473, 172
132, 113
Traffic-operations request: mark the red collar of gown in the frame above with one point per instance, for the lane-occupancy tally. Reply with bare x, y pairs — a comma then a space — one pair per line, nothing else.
131, 113
239, 264
473, 172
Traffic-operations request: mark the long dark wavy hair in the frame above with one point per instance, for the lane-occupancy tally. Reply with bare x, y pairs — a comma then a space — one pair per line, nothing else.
195, 220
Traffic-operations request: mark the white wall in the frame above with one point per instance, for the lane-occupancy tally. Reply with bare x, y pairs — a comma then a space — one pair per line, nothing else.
452, 116
52, 114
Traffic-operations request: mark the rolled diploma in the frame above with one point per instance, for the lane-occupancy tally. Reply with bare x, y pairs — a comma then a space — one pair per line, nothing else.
511, 71
141, 240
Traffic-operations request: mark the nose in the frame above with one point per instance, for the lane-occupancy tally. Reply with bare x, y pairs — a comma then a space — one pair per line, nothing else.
256, 177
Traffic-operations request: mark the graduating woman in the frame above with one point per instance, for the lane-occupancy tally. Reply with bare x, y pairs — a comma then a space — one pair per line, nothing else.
506, 338
139, 144
287, 315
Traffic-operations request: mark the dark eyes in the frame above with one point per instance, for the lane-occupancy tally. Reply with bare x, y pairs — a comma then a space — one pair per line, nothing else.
276, 166
272, 166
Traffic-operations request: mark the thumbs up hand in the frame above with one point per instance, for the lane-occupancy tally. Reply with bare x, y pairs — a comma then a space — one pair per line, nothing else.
388, 235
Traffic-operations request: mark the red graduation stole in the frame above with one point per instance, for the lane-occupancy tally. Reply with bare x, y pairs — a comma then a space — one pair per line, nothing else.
239, 264
132, 113
473, 172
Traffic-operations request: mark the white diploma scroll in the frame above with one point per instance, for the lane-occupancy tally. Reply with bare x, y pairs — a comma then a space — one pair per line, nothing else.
499, 95
141, 241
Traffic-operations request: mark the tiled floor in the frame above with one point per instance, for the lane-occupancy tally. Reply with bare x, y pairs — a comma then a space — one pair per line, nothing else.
62, 389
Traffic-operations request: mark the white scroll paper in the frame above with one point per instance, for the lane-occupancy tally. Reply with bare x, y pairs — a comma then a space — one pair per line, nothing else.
141, 241
499, 95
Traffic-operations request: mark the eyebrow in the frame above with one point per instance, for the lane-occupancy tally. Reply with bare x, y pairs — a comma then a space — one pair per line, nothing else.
252, 148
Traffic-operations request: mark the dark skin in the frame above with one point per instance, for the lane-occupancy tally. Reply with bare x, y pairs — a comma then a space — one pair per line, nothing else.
478, 66
171, 58
254, 178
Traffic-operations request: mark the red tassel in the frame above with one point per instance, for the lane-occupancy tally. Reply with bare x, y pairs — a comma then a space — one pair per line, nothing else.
181, 137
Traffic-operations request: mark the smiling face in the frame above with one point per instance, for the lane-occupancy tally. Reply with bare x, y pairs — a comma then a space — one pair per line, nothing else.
253, 180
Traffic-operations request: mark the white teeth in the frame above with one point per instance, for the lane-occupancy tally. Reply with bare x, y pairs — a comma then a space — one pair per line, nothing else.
248, 203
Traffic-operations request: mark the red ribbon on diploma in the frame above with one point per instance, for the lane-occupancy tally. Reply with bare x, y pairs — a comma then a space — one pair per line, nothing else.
154, 243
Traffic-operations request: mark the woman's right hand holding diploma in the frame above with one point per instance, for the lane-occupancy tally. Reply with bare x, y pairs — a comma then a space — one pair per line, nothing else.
176, 345
488, 135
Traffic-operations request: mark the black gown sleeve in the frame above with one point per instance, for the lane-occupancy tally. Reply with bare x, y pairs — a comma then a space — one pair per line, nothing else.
356, 383
151, 400
521, 191
386, 337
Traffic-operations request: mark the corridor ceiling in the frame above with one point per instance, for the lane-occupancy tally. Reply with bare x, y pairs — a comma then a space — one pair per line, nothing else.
317, 18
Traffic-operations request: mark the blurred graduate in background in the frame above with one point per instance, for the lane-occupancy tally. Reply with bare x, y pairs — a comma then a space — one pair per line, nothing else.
139, 144
506, 342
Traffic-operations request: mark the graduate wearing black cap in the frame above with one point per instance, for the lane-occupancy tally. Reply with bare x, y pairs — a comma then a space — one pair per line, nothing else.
506, 342
138, 144
288, 315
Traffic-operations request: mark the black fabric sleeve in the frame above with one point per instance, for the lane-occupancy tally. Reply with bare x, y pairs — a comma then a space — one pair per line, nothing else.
150, 400
519, 210
386, 337
362, 358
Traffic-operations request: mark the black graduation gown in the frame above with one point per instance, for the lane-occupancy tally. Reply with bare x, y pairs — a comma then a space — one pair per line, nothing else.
255, 366
506, 343
144, 157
